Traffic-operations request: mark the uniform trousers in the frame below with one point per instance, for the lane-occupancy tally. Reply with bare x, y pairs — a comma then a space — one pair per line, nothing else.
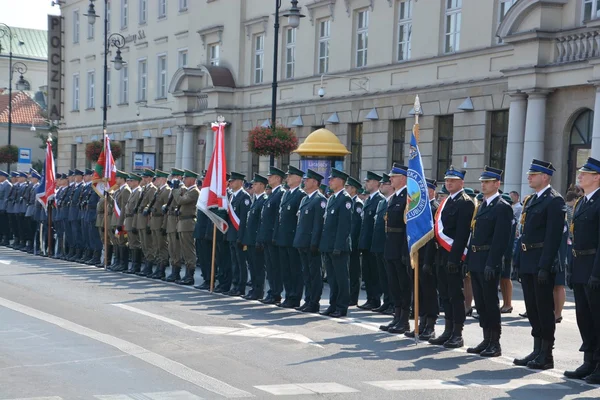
355, 275
76, 239
273, 271
383, 279
239, 270
85, 234
428, 295
587, 308
174, 249
450, 289
4, 225
370, 272
485, 294
205, 257
337, 278
256, 263
146, 243
134, 240
223, 263
22, 227
400, 283
12, 222
291, 273
94, 235
539, 303
311, 274
160, 247
188, 249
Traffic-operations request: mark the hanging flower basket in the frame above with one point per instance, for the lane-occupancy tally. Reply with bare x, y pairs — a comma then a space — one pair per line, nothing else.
266, 141
93, 150
9, 154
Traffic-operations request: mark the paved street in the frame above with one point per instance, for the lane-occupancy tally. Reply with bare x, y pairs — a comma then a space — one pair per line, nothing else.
69, 331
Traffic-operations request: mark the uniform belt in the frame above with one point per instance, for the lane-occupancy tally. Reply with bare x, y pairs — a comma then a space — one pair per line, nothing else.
129, 215
475, 249
157, 215
589, 252
187, 217
395, 230
530, 246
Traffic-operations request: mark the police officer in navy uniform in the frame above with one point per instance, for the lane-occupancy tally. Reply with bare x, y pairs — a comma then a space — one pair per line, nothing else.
307, 239
490, 235
353, 187
583, 275
335, 244
5, 188
543, 220
453, 226
378, 246
76, 241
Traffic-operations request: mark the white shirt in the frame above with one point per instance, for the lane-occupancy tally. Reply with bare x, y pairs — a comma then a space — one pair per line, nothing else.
338, 192
310, 195
275, 188
373, 194
235, 193
400, 190
589, 196
256, 196
452, 196
539, 194
291, 190
491, 198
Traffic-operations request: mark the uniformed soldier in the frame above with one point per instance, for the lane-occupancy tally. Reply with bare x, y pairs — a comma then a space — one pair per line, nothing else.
543, 220
378, 245
158, 224
117, 222
5, 187
75, 240
335, 244
265, 239
490, 233
203, 248
133, 233
58, 213
353, 187
64, 215
40, 219
583, 275
283, 235
171, 210
30, 200
143, 221
240, 203
22, 209
99, 226
452, 228
256, 255
308, 238
369, 259
186, 209
11, 210
91, 208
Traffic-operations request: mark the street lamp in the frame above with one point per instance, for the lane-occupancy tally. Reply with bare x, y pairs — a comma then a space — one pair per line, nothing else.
293, 15
116, 40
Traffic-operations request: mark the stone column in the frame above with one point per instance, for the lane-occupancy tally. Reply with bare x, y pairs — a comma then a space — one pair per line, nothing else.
514, 143
535, 130
209, 145
596, 129
178, 145
187, 154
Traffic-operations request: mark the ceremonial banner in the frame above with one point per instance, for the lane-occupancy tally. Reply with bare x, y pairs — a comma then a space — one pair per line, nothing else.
105, 172
47, 188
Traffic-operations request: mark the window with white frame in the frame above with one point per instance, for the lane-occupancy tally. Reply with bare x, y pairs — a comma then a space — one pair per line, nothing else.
75, 92
124, 13
324, 36
108, 73
143, 11
124, 94
259, 57
162, 8
91, 89
161, 67
90, 31
142, 80
214, 51
183, 5
404, 29
290, 52
182, 58
108, 15
503, 7
362, 37
75, 26
591, 9
452, 31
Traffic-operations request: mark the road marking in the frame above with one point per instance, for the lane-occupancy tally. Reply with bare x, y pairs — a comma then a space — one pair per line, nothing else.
173, 367
511, 384
5, 262
305, 388
40, 398
416, 384
176, 395
249, 331
437, 384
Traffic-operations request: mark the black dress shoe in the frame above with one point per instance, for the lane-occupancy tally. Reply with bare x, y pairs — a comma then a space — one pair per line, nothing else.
219, 290
399, 328
270, 300
594, 377
387, 327
302, 307
328, 311
204, 286
454, 342
185, 282
313, 309
287, 304
353, 303
584, 369
381, 308
338, 314
369, 305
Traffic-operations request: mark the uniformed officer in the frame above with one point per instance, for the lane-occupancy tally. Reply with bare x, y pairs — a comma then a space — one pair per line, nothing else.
203, 246
283, 235
58, 213
143, 221
133, 233
370, 271
452, 228
543, 220
335, 244
91, 209
64, 216
22, 209
378, 246
120, 200
76, 239
40, 223
171, 209
99, 226
30, 200
11, 210
308, 238
490, 234
158, 224
82, 214
265, 239
5, 187
186, 201
583, 275
353, 187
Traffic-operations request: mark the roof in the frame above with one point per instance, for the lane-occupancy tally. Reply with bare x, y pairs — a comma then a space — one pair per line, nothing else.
26, 43
25, 111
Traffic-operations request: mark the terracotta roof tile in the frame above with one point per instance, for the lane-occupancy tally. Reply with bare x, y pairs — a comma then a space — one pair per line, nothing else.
24, 109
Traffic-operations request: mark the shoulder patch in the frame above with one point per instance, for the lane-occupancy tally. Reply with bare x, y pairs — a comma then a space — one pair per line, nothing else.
359, 209
247, 202
348, 205
323, 204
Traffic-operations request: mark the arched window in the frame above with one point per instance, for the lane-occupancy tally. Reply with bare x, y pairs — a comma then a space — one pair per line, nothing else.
580, 143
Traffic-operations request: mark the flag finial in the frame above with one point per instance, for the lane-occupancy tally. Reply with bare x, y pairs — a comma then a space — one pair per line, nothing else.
49, 137
417, 108
220, 119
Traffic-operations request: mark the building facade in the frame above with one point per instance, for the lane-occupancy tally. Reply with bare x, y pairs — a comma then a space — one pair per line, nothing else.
500, 81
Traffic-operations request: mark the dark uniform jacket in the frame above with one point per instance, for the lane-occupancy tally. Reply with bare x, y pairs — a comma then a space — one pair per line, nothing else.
270, 217
368, 221
253, 220
310, 221
490, 235
357, 209
396, 245
22, 197
456, 218
285, 230
378, 241
201, 222
586, 236
240, 204
337, 224
92, 205
428, 253
75, 197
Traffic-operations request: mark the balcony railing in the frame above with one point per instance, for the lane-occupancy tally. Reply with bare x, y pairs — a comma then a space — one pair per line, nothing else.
577, 46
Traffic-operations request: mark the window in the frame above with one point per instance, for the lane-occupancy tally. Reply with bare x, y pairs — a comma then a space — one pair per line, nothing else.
404, 29
182, 58
73, 156
284, 161
498, 137
124, 95
362, 36
580, 143
161, 88
142, 79
398, 127
213, 54
254, 164
452, 34
324, 36
108, 16
108, 87
356, 149
183, 5
76, 26
162, 9
259, 57
90, 32
139, 145
143, 11
160, 150
91, 89
121, 161
504, 6
124, 13
444, 154
591, 9
75, 92
290, 52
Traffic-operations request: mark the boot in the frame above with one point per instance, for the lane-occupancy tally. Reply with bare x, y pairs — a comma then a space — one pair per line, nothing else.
429, 331
117, 261
135, 261
159, 273
483, 345
147, 270
107, 256
493, 349
85, 256
544, 359
585, 369
411, 334
188, 279
594, 377
95, 260
456, 340
403, 325
440, 340
537, 345
397, 313
77, 255
174, 275
123, 260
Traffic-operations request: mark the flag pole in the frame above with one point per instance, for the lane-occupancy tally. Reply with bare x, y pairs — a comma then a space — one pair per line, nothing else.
212, 266
105, 228
415, 258
49, 252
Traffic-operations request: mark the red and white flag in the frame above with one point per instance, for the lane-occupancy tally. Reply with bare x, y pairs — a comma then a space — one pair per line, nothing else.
105, 172
47, 188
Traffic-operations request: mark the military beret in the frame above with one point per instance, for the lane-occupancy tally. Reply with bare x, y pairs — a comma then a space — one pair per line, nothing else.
259, 179
294, 171
353, 182
161, 174
190, 174
310, 174
176, 172
236, 176
276, 171
148, 173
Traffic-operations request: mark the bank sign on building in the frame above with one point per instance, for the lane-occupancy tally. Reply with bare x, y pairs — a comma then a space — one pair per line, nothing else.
500, 81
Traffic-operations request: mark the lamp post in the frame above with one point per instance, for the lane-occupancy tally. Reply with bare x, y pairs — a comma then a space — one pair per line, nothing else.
293, 15
116, 40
